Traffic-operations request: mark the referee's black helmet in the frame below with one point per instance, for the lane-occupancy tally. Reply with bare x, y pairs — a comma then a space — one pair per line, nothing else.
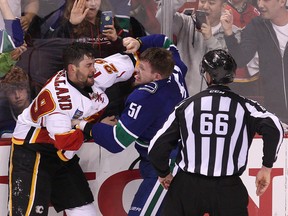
220, 65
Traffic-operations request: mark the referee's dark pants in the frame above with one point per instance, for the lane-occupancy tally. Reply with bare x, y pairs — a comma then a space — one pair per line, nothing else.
194, 195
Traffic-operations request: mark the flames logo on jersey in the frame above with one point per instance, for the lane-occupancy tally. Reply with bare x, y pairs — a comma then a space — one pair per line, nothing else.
98, 97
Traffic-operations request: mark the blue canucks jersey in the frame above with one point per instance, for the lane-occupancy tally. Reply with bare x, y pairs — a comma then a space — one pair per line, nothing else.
147, 107
146, 110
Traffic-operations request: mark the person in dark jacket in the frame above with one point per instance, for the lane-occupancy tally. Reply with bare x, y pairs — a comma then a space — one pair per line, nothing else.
267, 35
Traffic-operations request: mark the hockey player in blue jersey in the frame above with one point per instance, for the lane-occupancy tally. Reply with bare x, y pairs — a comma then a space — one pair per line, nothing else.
160, 86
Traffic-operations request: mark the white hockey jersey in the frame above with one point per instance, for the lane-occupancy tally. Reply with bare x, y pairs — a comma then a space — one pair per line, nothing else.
48, 118
113, 69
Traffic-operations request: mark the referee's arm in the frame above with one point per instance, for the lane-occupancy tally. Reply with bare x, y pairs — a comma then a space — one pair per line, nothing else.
272, 134
165, 140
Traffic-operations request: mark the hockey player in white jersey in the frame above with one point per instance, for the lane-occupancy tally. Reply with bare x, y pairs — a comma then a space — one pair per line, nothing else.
43, 165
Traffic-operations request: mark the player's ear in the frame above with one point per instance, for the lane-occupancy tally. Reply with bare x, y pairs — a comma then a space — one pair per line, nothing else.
71, 67
158, 76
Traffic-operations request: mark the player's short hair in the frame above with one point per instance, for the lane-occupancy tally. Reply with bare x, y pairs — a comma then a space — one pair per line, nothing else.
16, 78
74, 53
160, 59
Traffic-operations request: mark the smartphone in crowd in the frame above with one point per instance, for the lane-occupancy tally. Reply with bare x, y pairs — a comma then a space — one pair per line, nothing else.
188, 11
106, 19
200, 18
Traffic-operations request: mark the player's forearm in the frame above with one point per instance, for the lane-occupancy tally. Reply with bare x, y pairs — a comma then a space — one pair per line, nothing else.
103, 135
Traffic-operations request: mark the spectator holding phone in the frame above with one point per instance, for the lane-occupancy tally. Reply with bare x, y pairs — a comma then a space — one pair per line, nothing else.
267, 35
193, 43
246, 81
82, 21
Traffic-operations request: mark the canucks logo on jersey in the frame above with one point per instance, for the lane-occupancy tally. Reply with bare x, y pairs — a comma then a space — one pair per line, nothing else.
151, 87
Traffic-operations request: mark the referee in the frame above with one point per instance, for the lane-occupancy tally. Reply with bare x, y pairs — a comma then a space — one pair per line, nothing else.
216, 128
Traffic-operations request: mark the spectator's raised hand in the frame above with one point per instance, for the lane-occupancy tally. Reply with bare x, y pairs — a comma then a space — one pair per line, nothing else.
131, 44
226, 20
78, 12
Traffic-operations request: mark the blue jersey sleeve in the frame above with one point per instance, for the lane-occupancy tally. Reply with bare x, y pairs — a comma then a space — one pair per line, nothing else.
103, 136
137, 116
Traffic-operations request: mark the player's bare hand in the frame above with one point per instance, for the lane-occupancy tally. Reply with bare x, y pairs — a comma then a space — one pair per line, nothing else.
262, 180
166, 181
110, 120
131, 44
78, 12
75, 122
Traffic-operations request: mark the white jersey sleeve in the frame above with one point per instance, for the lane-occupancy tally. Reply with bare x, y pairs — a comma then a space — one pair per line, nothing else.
112, 69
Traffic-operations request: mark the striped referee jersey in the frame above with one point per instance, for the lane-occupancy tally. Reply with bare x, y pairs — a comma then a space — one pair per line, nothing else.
216, 128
